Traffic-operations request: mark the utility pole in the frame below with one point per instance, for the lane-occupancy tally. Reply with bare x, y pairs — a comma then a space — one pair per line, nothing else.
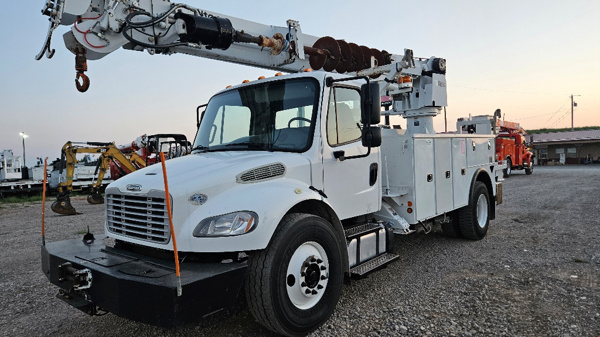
573, 104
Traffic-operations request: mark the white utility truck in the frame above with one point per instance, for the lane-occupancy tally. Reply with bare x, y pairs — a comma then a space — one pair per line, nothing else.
292, 184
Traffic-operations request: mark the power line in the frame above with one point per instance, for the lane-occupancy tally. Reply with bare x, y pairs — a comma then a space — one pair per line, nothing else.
530, 117
560, 119
506, 91
557, 111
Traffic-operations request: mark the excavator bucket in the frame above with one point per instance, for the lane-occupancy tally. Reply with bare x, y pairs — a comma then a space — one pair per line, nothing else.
63, 206
95, 198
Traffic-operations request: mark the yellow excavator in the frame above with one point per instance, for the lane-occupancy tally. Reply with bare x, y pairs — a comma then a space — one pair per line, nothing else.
124, 159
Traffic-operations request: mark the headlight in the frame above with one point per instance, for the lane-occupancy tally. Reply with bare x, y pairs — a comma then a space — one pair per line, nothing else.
227, 225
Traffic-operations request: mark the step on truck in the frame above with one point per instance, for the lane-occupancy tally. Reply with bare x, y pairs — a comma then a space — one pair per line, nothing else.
292, 185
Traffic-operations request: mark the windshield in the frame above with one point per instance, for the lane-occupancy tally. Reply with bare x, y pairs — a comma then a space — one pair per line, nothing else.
270, 116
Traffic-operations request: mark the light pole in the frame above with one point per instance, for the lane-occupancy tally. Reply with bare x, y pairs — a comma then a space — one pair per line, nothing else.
22, 134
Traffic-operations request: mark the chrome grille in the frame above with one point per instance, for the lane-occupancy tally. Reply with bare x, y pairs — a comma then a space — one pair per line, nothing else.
140, 217
262, 173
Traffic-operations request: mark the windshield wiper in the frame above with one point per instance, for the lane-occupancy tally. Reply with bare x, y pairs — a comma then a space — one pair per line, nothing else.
251, 145
200, 147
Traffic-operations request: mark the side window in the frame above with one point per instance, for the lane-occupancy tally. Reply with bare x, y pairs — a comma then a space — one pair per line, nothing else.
343, 116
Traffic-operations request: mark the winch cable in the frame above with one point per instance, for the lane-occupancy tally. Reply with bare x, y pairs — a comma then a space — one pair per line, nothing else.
44, 201
164, 169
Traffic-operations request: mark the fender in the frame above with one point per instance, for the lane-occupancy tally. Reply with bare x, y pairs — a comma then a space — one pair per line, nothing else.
270, 200
323, 209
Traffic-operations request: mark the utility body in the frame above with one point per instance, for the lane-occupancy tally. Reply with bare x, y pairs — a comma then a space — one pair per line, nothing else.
292, 184
16, 179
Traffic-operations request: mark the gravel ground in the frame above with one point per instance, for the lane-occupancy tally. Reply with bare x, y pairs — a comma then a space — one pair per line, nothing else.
537, 273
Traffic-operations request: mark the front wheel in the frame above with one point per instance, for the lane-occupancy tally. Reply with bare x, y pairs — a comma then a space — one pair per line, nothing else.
294, 284
508, 169
529, 169
474, 218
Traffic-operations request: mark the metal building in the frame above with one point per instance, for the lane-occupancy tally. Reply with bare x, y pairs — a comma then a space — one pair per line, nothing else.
570, 147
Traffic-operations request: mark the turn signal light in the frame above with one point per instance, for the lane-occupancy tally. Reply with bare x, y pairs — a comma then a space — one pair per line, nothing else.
409, 210
404, 79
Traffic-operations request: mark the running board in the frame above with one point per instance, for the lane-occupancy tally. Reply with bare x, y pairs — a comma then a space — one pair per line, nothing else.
368, 247
360, 230
373, 264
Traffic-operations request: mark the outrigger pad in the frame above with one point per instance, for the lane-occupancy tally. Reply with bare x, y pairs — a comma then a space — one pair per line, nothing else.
63, 206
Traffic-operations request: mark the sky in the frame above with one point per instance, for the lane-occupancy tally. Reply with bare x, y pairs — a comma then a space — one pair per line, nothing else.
524, 57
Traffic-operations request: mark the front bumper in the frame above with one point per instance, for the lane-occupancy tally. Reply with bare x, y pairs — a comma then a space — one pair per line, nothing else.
138, 287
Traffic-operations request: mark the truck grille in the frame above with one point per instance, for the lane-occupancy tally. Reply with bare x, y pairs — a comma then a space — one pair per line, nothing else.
139, 217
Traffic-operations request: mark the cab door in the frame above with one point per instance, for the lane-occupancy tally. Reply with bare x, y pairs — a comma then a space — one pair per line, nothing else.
352, 186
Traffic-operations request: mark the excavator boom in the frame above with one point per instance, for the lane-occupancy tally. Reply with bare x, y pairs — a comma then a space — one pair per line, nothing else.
126, 160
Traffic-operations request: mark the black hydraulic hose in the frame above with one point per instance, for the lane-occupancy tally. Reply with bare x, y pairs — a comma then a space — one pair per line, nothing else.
153, 46
150, 22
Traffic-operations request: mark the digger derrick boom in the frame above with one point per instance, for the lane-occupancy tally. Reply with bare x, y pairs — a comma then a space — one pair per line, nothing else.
161, 27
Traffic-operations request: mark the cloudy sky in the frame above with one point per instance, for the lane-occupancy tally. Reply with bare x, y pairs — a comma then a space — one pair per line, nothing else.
525, 57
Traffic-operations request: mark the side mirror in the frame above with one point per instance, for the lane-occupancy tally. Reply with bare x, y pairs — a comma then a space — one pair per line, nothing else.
371, 137
371, 103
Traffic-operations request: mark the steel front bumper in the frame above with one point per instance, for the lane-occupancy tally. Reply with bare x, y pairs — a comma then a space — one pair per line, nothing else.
94, 276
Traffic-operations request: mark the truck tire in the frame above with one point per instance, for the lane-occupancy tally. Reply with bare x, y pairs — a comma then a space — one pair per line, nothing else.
474, 218
293, 285
508, 170
529, 169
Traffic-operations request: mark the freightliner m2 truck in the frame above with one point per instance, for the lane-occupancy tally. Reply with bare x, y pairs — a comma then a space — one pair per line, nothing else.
292, 185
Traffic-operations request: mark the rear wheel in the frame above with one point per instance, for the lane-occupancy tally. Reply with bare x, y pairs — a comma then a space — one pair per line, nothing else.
508, 169
294, 285
474, 218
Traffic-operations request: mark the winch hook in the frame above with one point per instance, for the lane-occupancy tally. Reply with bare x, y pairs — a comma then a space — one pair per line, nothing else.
81, 67
85, 82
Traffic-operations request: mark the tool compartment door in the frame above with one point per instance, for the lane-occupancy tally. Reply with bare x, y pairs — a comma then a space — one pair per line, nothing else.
460, 180
424, 178
444, 199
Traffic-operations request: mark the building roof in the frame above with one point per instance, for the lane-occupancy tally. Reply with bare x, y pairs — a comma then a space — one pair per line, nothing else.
566, 137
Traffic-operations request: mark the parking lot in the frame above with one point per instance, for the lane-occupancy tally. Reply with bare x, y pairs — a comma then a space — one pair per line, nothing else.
537, 273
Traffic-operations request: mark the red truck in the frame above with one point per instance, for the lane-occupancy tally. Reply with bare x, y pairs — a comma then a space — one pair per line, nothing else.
512, 147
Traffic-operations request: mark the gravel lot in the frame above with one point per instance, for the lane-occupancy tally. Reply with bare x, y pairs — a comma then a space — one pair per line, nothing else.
537, 273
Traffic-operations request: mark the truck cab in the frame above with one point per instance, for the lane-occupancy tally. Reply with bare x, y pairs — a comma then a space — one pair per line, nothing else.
262, 148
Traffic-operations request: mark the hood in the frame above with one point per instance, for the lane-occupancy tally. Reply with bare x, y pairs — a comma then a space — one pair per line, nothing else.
200, 171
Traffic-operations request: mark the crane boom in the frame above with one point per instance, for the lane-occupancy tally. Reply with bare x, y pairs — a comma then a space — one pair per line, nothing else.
99, 27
